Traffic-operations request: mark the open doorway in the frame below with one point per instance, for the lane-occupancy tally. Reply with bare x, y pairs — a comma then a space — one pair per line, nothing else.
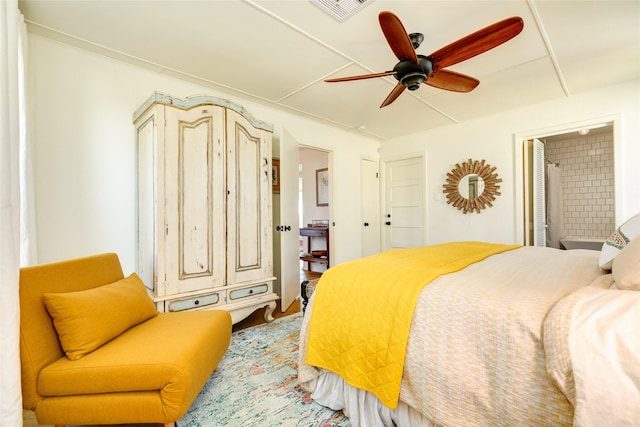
569, 185
292, 207
314, 212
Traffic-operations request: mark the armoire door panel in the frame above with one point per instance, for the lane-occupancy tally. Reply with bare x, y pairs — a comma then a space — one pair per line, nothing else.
195, 201
247, 200
147, 200
248, 182
195, 220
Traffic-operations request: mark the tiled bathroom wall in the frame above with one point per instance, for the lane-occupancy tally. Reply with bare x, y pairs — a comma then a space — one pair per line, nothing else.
587, 174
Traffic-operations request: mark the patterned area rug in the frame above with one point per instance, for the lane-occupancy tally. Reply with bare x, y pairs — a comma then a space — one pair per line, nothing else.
257, 384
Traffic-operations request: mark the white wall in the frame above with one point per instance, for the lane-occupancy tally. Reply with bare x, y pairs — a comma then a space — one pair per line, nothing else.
81, 106
494, 139
311, 161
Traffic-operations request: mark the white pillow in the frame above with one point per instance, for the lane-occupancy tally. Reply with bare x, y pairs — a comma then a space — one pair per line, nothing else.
626, 267
603, 343
618, 240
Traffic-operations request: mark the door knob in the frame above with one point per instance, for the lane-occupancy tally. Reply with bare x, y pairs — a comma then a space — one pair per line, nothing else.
387, 223
366, 224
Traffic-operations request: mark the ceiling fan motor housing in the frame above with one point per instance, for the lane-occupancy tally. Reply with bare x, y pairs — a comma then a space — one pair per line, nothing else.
412, 74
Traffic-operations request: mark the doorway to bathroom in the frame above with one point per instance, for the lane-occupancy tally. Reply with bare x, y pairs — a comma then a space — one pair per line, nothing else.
569, 187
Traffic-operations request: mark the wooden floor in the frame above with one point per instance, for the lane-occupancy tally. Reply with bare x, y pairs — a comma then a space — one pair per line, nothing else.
257, 317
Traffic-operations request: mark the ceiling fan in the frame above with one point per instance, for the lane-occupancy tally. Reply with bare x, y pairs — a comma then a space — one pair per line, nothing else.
414, 69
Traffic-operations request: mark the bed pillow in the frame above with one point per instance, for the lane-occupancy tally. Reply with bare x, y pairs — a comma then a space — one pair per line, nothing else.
85, 320
604, 360
618, 240
626, 267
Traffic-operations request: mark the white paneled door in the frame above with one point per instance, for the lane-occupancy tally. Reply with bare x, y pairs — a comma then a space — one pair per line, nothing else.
289, 229
539, 196
370, 198
534, 200
403, 220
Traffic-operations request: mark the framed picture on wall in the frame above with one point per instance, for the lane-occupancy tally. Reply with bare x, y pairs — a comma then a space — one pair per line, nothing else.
275, 175
322, 187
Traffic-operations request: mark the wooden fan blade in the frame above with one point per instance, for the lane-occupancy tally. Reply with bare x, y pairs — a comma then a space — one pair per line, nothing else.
364, 76
397, 36
478, 42
395, 93
450, 80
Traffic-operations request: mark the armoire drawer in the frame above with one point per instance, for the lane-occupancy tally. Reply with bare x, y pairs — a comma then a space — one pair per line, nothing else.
194, 302
254, 290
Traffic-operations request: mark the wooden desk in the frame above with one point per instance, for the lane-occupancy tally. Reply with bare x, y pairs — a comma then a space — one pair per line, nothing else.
311, 232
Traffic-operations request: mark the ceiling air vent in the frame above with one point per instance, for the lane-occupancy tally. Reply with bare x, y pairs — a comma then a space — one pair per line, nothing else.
341, 9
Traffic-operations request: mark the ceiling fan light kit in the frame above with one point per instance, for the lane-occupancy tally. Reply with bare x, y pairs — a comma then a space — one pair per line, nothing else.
413, 80
413, 70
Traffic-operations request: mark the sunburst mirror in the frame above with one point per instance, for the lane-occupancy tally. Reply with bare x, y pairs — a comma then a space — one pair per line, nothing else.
472, 186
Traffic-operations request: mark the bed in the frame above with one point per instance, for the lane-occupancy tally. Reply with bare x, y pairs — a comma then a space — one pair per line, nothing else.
505, 341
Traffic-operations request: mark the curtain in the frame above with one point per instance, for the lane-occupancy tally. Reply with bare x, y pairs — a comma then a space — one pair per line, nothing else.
28, 246
14, 185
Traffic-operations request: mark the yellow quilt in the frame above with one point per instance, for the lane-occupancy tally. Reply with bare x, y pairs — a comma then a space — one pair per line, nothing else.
363, 309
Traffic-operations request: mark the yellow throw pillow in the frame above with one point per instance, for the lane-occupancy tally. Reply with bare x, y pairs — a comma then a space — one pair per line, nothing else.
85, 320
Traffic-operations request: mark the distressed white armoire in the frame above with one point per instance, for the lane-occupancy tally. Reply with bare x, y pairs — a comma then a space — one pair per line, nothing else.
204, 205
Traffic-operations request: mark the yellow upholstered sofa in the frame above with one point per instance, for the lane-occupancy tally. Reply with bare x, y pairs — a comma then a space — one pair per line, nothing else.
94, 350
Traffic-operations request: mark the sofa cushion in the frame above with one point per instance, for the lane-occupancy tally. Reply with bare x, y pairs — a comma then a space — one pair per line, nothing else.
85, 320
39, 342
172, 352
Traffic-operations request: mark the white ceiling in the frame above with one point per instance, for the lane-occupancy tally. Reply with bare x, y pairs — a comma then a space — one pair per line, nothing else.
278, 52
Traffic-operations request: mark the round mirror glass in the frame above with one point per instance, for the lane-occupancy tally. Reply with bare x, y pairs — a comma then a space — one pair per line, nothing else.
471, 186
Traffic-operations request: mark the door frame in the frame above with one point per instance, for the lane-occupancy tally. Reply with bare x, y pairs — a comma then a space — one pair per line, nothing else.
278, 243
521, 192
330, 171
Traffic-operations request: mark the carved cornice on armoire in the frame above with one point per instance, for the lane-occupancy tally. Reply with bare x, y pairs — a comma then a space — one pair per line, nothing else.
196, 100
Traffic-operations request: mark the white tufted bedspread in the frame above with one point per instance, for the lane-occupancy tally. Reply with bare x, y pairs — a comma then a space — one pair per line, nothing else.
475, 355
